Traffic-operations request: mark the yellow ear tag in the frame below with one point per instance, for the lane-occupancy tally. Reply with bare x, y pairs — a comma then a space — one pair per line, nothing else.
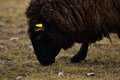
39, 25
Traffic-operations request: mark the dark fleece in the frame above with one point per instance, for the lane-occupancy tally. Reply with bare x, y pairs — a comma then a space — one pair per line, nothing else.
69, 21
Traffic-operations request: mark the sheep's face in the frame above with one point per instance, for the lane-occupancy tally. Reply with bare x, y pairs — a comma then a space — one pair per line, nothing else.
44, 48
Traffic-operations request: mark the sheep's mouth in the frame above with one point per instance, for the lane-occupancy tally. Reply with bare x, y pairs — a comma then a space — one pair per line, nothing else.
46, 61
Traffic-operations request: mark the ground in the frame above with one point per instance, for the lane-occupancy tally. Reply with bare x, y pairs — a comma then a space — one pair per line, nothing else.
18, 61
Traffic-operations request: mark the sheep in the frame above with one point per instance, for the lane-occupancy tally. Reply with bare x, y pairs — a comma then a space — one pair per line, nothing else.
58, 24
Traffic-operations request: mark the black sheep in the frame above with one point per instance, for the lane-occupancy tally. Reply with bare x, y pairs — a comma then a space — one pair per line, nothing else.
57, 24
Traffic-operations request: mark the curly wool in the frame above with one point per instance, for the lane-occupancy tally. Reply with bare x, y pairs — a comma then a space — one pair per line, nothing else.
69, 21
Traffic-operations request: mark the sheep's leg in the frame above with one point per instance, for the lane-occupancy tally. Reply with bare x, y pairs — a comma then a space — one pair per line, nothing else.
82, 53
119, 35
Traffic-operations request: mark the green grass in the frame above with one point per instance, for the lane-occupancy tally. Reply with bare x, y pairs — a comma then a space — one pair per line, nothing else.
16, 58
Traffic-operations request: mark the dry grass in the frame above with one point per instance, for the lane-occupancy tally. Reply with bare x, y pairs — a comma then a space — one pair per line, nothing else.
18, 59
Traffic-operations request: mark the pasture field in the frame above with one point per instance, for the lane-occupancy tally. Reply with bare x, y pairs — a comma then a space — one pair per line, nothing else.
18, 61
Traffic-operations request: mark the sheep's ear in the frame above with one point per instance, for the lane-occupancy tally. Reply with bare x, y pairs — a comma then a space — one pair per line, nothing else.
39, 27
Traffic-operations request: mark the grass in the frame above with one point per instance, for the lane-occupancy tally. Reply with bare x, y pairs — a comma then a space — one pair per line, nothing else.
17, 58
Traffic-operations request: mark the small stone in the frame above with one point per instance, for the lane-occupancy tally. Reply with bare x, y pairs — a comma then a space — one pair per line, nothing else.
60, 74
2, 47
22, 77
30, 47
19, 78
14, 39
90, 74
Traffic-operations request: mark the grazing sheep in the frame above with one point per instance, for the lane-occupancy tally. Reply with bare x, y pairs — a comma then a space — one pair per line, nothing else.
57, 24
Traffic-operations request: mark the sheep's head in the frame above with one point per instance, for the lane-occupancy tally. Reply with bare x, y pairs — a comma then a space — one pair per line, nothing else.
44, 47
